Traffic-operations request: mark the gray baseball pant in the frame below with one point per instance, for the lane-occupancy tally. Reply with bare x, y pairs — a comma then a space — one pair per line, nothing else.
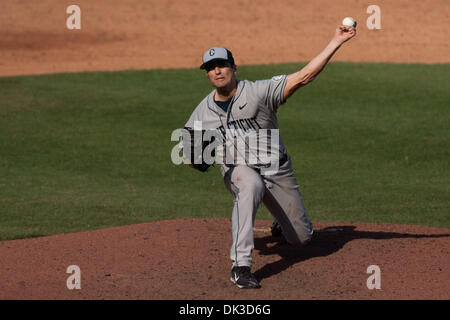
279, 193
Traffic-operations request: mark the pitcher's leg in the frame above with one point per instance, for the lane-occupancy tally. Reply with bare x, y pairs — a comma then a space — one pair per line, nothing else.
284, 201
288, 208
248, 188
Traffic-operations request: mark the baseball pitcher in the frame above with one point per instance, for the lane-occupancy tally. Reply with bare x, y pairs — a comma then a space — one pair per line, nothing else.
254, 163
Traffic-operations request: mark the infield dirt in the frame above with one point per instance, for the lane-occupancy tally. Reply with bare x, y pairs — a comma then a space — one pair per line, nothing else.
136, 34
188, 259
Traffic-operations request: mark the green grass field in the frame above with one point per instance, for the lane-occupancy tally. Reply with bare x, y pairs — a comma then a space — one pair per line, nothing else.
369, 142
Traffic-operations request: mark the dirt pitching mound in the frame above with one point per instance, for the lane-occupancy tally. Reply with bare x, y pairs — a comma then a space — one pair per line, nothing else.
188, 259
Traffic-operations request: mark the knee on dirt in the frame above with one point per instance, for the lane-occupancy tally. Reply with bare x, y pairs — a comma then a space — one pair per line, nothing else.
300, 240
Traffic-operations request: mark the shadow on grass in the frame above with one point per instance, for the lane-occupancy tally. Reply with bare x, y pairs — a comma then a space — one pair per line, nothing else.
325, 242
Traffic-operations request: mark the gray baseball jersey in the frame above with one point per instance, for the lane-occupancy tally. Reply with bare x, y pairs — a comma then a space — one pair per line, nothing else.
252, 109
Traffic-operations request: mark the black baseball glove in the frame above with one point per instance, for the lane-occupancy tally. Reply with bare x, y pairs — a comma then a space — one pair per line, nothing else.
194, 146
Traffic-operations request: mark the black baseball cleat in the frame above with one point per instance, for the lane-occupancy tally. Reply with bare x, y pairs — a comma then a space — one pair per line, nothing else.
243, 278
276, 229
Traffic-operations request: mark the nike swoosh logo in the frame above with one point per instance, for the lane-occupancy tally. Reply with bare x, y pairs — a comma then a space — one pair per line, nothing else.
242, 107
236, 278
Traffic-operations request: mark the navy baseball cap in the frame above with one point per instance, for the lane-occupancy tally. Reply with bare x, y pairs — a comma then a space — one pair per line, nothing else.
217, 53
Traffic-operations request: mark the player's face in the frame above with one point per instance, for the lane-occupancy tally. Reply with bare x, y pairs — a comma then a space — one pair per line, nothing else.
221, 74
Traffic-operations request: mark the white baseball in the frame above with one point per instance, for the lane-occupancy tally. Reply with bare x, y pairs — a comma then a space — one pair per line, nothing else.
349, 22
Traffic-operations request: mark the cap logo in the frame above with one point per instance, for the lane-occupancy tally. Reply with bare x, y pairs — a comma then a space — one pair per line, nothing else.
212, 52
